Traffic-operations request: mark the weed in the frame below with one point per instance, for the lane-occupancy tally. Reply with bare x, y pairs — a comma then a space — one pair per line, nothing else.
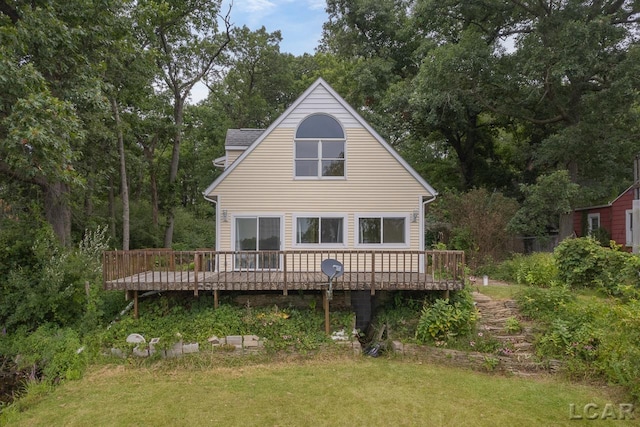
512, 325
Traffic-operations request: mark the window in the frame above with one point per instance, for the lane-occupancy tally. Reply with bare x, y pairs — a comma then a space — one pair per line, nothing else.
257, 234
319, 148
319, 230
593, 222
382, 230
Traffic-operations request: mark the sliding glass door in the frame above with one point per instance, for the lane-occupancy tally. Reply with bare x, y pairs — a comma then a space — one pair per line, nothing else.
258, 234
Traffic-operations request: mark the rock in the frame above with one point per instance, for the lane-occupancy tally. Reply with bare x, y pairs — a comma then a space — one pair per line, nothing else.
135, 339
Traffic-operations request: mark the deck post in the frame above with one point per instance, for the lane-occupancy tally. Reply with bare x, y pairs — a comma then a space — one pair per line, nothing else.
325, 304
135, 304
196, 268
373, 273
285, 291
216, 298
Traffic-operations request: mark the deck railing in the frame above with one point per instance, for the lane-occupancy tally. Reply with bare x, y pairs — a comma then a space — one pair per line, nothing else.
191, 269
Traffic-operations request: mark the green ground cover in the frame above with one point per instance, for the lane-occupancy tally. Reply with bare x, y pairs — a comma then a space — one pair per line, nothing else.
336, 390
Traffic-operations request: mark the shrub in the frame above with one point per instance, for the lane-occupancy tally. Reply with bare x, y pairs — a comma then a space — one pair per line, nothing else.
578, 261
446, 318
543, 304
584, 263
56, 353
538, 269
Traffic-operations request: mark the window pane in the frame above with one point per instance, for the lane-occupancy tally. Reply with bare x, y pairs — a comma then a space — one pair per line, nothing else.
333, 168
269, 241
307, 230
246, 234
393, 230
333, 149
331, 230
269, 234
306, 168
306, 150
319, 126
369, 230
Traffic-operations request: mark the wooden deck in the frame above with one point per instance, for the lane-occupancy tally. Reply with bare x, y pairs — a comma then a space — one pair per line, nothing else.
207, 270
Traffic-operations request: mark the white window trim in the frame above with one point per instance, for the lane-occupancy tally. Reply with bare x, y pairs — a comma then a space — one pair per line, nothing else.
319, 176
258, 215
294, 228
589, 218
628, 220
407, 230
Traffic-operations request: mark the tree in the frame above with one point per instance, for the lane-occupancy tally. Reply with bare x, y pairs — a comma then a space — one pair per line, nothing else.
49, 79
185, 39
258, 84
545, 202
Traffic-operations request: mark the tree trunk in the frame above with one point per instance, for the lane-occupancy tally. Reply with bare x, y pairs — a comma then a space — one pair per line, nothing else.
112, 211
123, 177
58, 210
178, 112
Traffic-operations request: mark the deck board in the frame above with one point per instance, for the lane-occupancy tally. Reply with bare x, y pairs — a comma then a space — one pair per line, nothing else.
275, 281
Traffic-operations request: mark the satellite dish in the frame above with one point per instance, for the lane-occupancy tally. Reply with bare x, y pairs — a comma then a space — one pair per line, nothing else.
332, 268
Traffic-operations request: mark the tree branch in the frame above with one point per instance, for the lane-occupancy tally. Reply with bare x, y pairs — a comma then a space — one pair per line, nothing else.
9, 11
6, 169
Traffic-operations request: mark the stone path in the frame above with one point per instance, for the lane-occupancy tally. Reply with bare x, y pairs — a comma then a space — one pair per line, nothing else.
495, 317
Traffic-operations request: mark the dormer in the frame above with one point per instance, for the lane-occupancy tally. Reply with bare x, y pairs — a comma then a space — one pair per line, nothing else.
235, 143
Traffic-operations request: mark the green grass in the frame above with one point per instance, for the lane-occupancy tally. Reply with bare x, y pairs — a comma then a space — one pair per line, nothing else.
332, 391
499, 291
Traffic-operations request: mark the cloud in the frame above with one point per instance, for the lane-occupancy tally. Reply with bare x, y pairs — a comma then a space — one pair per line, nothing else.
317, 4
257, 6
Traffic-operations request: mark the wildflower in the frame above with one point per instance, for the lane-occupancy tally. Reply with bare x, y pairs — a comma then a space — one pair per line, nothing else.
480, 334
472, 343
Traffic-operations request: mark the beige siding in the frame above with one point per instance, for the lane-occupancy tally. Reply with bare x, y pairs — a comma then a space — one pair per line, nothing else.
232, 155
264, 184
320, 100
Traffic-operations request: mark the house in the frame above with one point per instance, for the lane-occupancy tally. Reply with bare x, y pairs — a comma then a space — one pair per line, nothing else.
318, 178
318, 185
613, 221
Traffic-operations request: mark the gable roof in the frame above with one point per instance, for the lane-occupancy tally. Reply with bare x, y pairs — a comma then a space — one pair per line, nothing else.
242, 137
349, 109
586, 208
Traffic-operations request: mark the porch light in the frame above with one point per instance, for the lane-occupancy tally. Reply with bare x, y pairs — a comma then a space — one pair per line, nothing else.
414, 215
225, 216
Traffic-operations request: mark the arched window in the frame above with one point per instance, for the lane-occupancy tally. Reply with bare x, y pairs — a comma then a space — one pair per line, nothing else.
319, 148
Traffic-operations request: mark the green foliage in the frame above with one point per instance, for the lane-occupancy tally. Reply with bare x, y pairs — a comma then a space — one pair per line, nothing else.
175, 319
444, 318
537, 269
55, 352
400, 316
512, 325
538, 303
551, 196
475, 222
584, 263
596, 337
52, 284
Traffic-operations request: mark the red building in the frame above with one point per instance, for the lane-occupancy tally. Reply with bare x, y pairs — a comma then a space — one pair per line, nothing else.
614, 218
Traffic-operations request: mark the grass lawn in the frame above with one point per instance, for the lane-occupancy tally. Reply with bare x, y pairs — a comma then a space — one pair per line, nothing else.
331, 391
498, 290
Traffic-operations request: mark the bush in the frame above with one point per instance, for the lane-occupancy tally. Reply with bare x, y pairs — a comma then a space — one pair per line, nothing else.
444, 318
538, 269
584, 263
596, 337
54, 353
544, 304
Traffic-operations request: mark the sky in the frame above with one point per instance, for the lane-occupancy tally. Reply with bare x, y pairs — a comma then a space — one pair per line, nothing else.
299, 21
